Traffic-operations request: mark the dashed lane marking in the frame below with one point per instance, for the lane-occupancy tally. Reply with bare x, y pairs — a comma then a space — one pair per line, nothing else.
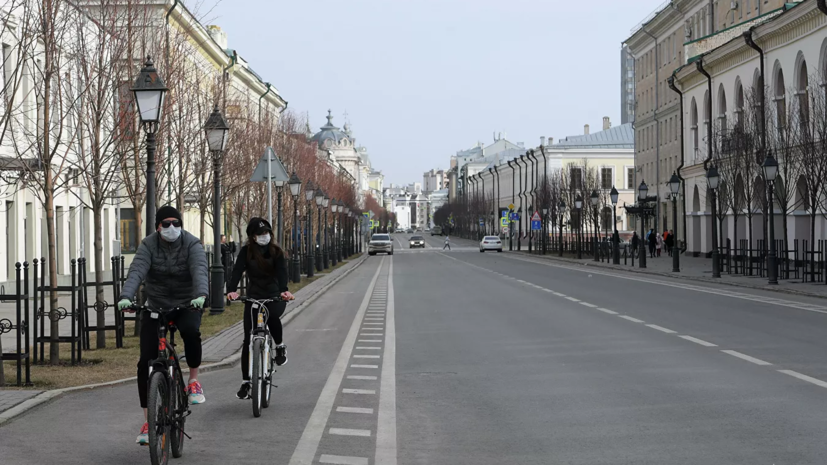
606, 310
661, 329
588, 304
365, 356
364, 366
363, 378
343, 460
365, 411
806, 378
359, 391
368, 348
350, 432
633, 320
698, 341
746, 357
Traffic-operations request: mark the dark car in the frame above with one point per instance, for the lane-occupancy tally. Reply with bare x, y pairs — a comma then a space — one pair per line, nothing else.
417, 241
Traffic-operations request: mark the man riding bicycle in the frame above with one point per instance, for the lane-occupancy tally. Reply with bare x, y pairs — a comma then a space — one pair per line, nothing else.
266, 268
172, 264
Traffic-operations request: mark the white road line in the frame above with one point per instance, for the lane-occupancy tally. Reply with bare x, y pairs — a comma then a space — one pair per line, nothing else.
367, 348
350, 432
366, 411
308, 444
343, 460
359, 391
559, 294
363, 378
572, 299
746, 357
364, 366
373, 324
698, 341
661, 329
374, 319
588, 304
369, 340
386, 452
606, 310
371, 334
365, 356
809, 379
633, 320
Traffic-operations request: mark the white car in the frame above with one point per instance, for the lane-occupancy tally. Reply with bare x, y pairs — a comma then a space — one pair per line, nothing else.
380, 243
491, 243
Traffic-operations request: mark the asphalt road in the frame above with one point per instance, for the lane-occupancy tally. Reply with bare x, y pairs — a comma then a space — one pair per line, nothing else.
432, 357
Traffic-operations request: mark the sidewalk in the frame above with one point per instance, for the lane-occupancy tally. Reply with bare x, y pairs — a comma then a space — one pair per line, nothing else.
697, 269
219, 351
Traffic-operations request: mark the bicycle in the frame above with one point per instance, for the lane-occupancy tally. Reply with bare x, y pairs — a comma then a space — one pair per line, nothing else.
167, 405
262, 354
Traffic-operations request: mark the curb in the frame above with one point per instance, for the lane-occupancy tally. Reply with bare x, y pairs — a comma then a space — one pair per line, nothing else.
52, 394
673, 275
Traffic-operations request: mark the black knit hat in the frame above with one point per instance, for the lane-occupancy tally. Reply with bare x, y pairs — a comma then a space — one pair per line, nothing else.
167, 211
257, 226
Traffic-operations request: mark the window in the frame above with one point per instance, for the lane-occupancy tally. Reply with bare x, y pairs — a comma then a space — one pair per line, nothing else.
630, 177
607, 218
577, 178
606, 178
129, 231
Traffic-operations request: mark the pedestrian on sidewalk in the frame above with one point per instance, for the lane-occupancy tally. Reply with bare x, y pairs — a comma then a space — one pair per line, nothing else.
670, 242
659, 245
447, 243
266, 268
653, 242
635, 242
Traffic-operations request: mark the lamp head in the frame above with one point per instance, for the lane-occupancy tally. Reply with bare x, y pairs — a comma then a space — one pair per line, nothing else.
149, 91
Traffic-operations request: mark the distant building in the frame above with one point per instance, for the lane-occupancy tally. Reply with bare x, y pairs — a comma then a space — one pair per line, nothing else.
627, 86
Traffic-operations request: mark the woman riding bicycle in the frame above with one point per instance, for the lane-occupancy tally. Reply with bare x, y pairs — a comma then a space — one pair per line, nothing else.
266, 268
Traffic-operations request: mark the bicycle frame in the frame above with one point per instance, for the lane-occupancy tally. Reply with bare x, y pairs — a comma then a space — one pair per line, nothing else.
260, 332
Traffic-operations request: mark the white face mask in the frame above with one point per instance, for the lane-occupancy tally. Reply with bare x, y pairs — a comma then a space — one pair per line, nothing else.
263, 240
171, 234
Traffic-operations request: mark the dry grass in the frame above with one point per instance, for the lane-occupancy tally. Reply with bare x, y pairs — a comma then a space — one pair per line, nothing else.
102, 365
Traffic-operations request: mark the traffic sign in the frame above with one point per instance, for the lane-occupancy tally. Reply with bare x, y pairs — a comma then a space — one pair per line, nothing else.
536, 225
505, 214
511, 206
482, 222
515, 216
535, 217
504, 222
277, 171
505, 229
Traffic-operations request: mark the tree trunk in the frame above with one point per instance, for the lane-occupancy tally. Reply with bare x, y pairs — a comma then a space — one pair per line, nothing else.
54, 327
101, 316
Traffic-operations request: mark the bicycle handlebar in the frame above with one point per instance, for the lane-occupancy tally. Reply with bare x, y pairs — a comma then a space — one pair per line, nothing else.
145, 308
244, 298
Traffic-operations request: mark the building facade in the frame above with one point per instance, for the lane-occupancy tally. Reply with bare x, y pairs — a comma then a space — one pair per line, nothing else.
627, 86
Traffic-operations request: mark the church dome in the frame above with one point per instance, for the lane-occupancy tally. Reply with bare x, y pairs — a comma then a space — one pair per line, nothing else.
329, 135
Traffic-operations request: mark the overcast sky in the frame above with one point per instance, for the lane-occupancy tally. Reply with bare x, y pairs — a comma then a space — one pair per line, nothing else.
421, 79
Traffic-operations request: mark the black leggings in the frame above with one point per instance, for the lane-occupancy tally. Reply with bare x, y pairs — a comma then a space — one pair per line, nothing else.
188, 323
275, 310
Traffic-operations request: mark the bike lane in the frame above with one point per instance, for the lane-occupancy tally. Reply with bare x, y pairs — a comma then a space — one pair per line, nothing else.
99, 426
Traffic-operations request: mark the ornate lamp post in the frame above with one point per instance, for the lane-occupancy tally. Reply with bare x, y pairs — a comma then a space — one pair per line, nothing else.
770, 167
334, 258
675, 188
643, 195
325, 256
295, 188
578, 205
216, 130
562, 213
347, 232
615, 234
149, 91
544, 230
319, 202
309, 196
339, 251
595, 199
713, 179
279, 213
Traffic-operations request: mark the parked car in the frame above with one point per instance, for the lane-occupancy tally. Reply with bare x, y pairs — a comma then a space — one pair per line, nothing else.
417, 241
491, 243
380, 243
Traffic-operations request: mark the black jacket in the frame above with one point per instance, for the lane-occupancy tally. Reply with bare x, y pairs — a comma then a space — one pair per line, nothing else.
264, 283
174, 272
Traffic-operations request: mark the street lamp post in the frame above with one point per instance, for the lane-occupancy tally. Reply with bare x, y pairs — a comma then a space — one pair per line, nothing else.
712, 178
643, 194
319, 202
339, 250
295, 188
334, 258
325, 255
675, 187
544, 230
217, 131
562, 214
279, 214
578, 205
770, 172
309, 196
149, 91
615, 235
595, 199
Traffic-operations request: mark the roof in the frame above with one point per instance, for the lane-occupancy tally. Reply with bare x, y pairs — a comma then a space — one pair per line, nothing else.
622, 136
328, 132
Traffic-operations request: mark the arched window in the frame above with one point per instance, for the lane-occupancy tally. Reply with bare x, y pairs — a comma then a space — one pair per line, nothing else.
722, 124
802, 92
693, 127
739, 103
707, 116
780, 99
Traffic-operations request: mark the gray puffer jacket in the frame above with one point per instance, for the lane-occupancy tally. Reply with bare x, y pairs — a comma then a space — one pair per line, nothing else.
174, 272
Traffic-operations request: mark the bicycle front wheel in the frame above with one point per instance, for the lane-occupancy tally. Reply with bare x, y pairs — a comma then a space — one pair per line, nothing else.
157, 415
179, 414
268, 374
257, 376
